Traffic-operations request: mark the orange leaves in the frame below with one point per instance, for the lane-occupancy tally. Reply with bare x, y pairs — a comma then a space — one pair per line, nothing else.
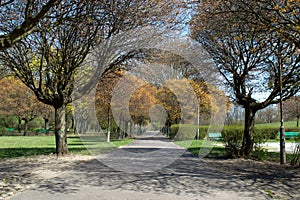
17, 99
142, 100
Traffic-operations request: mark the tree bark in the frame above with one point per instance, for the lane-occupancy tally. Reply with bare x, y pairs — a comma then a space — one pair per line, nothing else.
298, 121
19, 124
25, 127
46, 122
108, 126
247, 146
126, 129
60, 132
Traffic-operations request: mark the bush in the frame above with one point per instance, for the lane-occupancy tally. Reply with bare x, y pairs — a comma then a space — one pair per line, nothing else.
186, 132
3, 131
296, 156
261, 135
233, 139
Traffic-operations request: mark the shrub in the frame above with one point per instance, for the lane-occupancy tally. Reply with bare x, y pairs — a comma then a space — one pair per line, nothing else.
186, 132
3, 131
233, 139
296, 156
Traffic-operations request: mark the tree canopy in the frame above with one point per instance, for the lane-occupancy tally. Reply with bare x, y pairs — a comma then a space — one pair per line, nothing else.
19, 19
251, 55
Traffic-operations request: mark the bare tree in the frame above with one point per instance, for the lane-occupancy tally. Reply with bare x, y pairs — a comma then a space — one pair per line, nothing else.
250, 58
19, 19
48, 60
292, 108
268, 115
277, 16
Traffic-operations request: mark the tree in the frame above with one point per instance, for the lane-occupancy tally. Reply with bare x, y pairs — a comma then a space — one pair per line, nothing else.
103, 97
142, 100
268, 115
277, 16
292, 108
48, 61
47, 113
18, 100
250, 59
19, 19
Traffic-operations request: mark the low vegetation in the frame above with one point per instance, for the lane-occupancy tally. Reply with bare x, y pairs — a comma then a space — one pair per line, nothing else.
230, 146
17, 146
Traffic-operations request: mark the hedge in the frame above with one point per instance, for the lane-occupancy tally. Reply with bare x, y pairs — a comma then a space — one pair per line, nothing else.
186, 132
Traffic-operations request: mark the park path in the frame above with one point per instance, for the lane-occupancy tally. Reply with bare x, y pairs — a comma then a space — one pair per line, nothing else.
151, 167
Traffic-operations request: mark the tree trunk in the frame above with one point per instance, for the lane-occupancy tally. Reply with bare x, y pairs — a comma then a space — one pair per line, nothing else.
25, 127
247, 146
108, 126
60, 132
46, 122
72, 123
298, 121
126, 129
19, 124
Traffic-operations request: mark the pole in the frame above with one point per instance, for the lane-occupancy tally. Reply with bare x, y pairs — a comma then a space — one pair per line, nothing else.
282, 136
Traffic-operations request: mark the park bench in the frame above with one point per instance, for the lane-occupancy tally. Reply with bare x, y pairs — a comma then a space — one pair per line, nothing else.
215, 136
289, 135
10, 129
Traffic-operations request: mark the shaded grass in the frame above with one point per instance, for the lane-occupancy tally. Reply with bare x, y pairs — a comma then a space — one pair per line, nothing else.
213, 149
17, 146
271, 156
219, 151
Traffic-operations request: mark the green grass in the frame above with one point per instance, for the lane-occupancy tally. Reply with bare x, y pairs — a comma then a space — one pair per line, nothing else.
219, 151
288, 124
271, 156
16, 146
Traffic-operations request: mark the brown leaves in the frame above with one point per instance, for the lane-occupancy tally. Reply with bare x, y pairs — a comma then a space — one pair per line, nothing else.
17, 99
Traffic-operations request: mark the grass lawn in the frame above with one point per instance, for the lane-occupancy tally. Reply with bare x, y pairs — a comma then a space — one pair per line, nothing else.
16, 146
195, 145
288, 124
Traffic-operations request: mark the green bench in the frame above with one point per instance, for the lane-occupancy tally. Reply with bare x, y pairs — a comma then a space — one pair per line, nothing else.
10, 129
215, 136
289, 135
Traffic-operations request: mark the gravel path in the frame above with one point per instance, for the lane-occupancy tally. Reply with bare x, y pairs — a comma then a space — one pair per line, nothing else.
119, 175
22, 173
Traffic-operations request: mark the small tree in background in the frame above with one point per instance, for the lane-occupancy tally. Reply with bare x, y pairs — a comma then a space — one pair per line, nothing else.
292, 108
19, 100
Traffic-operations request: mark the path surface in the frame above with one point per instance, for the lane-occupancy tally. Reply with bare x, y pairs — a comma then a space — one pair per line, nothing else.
275, 146
149, 168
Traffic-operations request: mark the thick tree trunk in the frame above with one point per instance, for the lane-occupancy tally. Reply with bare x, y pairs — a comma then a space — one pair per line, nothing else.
60, 132
247, 146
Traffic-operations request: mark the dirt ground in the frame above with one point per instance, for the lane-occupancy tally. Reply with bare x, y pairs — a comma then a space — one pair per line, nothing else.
278, 182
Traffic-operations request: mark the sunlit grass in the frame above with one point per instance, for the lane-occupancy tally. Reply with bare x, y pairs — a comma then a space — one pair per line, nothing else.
215, 149
16, 146
288, 124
